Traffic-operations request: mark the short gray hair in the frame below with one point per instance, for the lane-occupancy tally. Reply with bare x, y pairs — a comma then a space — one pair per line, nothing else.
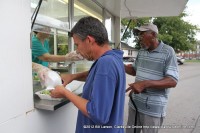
93, 27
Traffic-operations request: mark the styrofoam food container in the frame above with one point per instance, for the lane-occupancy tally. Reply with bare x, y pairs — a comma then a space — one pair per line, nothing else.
52, 79
46, 96
73, 86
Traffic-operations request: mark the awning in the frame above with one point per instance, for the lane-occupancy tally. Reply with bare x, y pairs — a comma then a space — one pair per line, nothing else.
143, 8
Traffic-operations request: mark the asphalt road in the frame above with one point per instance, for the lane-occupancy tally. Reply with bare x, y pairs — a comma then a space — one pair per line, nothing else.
183, 111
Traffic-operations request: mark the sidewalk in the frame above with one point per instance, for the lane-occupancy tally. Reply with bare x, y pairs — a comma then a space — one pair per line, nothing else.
197, 126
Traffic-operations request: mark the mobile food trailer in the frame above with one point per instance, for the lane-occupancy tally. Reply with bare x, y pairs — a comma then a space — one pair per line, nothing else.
21, 111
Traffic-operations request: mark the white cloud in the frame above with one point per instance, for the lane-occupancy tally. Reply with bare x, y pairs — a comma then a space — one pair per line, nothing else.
193, 13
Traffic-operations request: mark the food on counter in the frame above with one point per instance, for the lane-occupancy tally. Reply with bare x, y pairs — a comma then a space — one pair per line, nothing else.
46, 92
35, 77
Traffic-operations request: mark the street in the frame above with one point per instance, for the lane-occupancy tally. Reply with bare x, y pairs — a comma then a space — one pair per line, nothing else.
183, 109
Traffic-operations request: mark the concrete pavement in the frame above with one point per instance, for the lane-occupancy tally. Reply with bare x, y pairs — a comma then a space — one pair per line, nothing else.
183, 111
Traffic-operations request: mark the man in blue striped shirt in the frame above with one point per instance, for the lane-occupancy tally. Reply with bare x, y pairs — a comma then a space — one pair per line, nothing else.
156, 71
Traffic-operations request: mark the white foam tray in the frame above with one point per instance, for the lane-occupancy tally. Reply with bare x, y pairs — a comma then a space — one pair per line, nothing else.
73, 86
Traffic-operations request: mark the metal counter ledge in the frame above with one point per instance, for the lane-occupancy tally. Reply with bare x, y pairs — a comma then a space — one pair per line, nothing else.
52, 105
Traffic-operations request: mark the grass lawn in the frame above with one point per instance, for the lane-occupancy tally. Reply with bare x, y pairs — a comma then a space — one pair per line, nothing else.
192, 61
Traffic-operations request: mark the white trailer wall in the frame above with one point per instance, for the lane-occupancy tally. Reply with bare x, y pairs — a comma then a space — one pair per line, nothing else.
15, 54
17, 113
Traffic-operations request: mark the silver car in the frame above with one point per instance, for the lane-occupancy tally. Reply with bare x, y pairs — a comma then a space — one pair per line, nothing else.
180, 60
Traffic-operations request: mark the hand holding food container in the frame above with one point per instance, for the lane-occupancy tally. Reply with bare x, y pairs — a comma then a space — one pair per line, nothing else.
53, 79
50, 81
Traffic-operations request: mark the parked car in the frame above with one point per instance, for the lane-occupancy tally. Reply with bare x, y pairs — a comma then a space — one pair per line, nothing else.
180, 60
128, 59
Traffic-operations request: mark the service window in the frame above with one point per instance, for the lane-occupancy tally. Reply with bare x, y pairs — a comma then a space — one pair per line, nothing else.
84, 8
53, 13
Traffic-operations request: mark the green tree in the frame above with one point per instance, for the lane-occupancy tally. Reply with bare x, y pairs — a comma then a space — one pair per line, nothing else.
62, 46
62, 49
133, 23
176, 32
173, 31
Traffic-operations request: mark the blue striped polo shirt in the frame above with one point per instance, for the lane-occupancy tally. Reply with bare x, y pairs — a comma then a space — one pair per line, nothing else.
154, 65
